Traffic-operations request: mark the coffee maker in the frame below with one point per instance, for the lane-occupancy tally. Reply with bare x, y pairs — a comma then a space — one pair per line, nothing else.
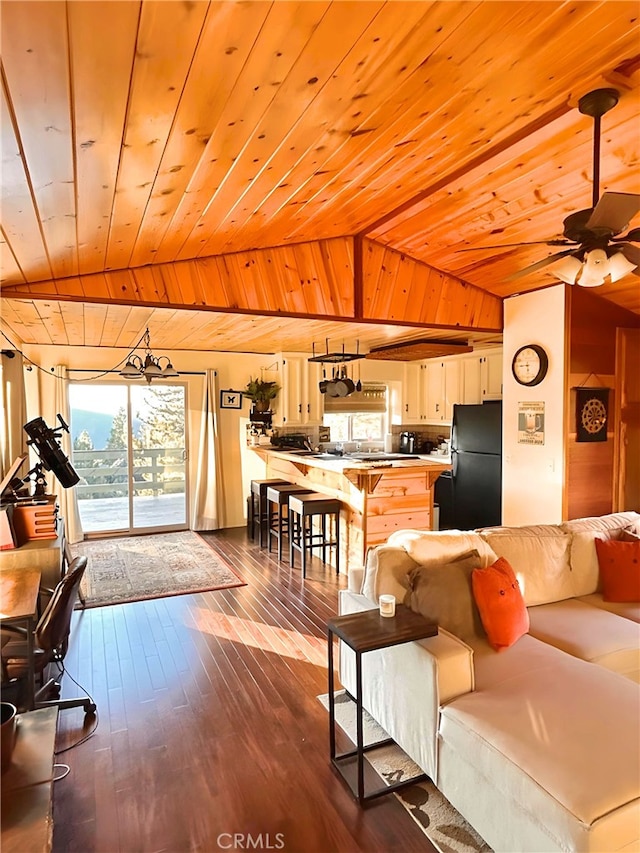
407, 442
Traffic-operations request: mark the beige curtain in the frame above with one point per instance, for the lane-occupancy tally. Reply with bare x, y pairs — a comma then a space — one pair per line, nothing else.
209, 500
13, 439
67, 498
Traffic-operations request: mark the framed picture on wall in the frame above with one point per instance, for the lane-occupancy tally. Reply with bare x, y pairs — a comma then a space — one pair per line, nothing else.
531, 423
231, 399
592, 413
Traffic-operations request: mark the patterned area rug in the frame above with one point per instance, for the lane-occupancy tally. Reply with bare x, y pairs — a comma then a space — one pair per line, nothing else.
441, 823
140, 567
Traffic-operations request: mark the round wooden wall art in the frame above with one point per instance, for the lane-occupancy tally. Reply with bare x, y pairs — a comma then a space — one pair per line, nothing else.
592, 412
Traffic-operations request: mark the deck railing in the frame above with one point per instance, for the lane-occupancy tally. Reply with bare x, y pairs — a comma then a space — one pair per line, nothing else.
104, 473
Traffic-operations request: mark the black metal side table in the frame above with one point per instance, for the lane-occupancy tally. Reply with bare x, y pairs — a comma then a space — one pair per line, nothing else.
368, 631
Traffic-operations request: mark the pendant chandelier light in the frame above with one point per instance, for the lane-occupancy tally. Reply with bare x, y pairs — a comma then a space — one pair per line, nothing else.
149, 368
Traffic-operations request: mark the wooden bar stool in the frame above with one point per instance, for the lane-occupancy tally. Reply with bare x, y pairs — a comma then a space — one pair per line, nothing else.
278, 511
302, 509
258, 507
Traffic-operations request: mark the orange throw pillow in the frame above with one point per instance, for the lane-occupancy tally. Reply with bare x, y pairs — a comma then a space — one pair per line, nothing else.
502, 609
619, 569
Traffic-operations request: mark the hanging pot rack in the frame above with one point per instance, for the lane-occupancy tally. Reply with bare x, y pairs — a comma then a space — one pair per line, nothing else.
335, 357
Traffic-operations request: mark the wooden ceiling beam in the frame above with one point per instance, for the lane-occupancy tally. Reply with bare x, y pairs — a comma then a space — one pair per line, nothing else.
338, 279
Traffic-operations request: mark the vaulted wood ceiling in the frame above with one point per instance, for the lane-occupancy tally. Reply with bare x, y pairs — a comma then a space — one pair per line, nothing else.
314, 159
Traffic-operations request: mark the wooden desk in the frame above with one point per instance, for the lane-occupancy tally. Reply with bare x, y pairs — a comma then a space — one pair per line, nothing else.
46, 555
27, 786
19, 590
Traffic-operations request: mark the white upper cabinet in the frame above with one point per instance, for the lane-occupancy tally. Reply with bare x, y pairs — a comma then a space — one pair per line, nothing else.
452, 387
469, 379
314, 399
492, 375
434, 387
471, 369
412, 393
442, 389
299, 402
482, 377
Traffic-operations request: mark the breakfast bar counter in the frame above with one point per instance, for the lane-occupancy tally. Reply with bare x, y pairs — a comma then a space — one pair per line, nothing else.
378, 497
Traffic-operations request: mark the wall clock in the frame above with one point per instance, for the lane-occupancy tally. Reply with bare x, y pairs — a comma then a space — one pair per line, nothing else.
530, 365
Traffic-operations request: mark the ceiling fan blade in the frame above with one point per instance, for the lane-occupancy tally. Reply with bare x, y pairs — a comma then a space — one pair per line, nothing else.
515, 245
631, 253
633, 236
614, 211
551, 259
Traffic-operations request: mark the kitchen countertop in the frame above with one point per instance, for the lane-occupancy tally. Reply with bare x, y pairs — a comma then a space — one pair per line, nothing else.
378, 496
348, 463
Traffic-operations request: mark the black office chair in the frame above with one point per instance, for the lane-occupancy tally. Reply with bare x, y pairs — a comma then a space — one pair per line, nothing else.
51, 639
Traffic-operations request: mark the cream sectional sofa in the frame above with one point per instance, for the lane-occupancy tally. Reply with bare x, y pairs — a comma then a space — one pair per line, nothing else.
537, 746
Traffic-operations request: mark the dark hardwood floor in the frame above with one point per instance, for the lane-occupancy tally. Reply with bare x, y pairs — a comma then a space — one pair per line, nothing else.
210, 735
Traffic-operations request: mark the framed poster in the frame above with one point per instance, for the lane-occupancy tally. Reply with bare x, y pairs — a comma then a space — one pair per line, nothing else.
530, 423
592, 412
231, 399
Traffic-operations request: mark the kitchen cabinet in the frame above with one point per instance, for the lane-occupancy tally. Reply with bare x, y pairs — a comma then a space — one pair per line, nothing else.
481, 377
299, 402
451, 387
442, 388
434, 384
412, 393
471, 370
431, 388
492, 375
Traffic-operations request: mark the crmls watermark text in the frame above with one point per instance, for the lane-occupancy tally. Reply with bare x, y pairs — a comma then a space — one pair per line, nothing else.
247, 841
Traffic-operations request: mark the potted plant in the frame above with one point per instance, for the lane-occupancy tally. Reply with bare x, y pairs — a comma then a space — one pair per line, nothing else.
261, 393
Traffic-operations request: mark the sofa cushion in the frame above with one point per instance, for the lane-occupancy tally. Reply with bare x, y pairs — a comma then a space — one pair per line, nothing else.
590, 634
539, 556
584, 561
442, 594
629, 535
526, 655
619, 564
502, 608
430, 547
545, 736
386, 572
627, 609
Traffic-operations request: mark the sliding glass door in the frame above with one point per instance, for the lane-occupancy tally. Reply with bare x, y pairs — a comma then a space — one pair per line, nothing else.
129, 448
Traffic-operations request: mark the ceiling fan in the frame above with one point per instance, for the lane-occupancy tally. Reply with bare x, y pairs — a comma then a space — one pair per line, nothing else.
596, 252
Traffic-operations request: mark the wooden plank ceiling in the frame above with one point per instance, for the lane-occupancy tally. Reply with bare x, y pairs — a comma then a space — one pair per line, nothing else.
319, 159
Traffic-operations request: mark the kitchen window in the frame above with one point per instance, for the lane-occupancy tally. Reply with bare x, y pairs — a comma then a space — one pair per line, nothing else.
362, 416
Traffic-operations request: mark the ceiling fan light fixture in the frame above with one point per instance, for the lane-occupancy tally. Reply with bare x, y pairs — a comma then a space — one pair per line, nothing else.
619, 266
567, 269
594, 269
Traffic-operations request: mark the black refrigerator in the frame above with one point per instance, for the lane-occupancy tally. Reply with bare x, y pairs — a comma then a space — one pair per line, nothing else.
473, 496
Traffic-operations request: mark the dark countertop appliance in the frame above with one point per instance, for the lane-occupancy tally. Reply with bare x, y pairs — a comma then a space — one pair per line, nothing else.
293, 441
408, 442
471, 496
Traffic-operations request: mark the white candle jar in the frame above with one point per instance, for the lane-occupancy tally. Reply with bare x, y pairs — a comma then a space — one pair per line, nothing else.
387, 605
